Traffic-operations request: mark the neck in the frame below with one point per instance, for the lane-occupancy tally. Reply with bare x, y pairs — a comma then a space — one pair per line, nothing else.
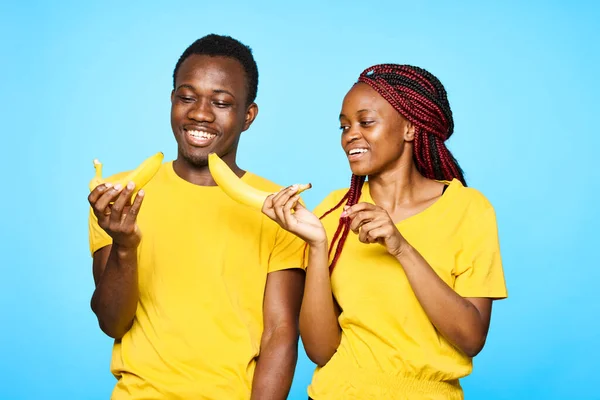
397, 187
199, 174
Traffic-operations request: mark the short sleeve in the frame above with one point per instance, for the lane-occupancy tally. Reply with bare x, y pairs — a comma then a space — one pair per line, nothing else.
482, 273
98, 238
287, 252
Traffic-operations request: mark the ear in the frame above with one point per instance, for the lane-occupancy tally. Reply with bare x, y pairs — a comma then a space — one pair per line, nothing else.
172, 95
409, 132
251, 113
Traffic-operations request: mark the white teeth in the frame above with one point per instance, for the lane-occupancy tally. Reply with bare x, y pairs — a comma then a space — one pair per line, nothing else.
201, 134
356, 151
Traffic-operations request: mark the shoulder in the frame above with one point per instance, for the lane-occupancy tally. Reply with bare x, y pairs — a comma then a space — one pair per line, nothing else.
473, 208
472, 198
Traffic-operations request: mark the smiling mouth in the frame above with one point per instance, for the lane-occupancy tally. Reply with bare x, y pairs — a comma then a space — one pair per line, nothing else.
356, 153
199, 138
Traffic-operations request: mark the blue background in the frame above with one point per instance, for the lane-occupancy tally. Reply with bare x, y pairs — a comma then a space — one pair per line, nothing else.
81, 80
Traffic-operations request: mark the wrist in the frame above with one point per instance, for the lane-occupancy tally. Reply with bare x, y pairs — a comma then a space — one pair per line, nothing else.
318, 244
403, 250
125, 252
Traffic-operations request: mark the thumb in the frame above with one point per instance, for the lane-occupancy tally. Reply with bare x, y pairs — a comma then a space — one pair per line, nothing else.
299, 206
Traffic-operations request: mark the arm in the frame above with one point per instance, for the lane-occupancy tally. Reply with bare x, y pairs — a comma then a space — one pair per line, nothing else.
115, 297
319, 327
463, 321
279, 343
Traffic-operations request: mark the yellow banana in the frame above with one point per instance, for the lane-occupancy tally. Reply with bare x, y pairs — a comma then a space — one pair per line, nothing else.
237, 189
140, 176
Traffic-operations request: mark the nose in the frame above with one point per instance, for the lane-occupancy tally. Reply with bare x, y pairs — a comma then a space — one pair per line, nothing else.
201, 111
351, 135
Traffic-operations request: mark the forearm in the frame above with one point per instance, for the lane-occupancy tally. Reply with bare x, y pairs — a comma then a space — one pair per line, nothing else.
276, 364
319, 325
457, 319
116, 296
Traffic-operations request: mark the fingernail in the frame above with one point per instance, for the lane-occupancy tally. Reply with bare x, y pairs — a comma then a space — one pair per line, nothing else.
344, 214
118, 186
141, 192
346, 207
108, 185
130, 185
293, 188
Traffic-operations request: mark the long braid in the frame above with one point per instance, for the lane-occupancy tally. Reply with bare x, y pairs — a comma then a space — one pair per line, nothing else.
422, 99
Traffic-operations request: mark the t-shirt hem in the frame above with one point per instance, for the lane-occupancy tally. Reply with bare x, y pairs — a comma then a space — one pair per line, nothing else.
285, 267
491, 295
100, 244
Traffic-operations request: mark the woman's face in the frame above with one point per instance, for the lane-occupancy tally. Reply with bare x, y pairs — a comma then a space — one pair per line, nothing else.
375, 137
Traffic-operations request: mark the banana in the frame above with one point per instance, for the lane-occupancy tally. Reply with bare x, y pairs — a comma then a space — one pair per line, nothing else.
237, 189
140, 176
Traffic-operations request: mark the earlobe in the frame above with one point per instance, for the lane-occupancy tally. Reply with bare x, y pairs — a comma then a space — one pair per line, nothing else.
251, 114
409, 133
172, 95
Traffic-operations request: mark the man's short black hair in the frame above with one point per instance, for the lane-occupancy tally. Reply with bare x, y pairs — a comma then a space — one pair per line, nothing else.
218, 45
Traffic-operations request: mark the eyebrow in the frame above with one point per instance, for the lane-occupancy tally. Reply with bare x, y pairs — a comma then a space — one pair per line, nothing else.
185, 85
358, 112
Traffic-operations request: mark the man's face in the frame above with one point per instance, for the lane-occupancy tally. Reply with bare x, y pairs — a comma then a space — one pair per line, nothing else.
209, 108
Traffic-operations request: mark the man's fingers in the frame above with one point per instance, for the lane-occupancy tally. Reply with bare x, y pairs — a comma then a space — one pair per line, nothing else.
102, 205
121, 202
97, 192
135, 208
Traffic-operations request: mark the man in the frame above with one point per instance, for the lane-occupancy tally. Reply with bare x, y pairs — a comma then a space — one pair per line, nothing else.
201, 294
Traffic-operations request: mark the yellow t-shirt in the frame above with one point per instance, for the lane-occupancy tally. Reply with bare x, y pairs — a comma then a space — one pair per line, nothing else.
389, 348
203, 263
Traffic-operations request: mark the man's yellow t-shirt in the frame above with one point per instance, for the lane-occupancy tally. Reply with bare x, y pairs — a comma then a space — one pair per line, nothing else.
203, 263
389, 348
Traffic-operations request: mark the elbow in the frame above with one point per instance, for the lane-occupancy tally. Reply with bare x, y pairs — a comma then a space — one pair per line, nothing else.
319, 353
282, 340
112, 331
473, 346
319, 348
110, 326
319, 359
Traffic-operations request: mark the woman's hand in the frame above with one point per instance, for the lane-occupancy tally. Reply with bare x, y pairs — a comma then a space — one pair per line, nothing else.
301, 222
374, 225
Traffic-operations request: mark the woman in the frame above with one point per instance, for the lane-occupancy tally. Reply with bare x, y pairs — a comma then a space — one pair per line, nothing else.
397, 308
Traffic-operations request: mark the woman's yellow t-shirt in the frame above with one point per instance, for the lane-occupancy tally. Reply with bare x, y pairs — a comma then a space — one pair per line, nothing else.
389, 348
202, 269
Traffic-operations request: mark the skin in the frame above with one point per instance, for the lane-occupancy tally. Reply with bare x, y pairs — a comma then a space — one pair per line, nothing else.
210, 95
399, 191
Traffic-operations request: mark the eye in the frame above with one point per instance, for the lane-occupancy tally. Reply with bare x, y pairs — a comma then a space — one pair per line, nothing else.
221, 104
186, 99
366, 123
344, 128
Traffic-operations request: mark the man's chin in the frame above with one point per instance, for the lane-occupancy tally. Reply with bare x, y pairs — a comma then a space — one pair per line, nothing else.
196, 159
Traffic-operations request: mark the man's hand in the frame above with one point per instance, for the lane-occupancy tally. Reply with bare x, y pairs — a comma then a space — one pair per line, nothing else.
116, 215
